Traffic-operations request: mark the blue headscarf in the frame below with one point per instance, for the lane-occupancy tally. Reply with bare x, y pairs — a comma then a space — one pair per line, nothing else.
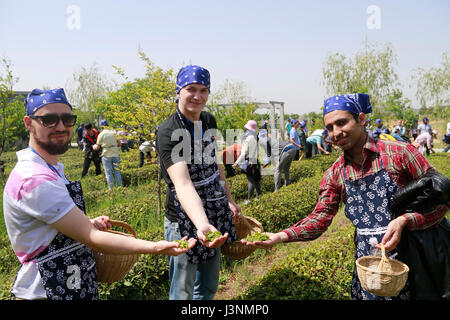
38, 98
354, 103
192, 74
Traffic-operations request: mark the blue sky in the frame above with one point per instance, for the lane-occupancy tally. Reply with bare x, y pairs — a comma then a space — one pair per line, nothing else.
276, 48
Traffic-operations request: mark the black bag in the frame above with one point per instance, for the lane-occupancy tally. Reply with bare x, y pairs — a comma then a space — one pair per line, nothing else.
422, 195
426, 252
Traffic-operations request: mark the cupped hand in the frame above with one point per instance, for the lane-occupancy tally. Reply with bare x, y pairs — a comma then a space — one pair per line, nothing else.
172, 248
274, 238
216, 243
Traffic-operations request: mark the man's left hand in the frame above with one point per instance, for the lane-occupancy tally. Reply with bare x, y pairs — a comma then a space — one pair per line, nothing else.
393, 233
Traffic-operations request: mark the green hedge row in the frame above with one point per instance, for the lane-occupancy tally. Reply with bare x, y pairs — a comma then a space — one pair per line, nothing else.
321, 270
281, 209
147, 280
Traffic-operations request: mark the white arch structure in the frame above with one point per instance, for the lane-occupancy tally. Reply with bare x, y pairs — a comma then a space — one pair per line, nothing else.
272, 106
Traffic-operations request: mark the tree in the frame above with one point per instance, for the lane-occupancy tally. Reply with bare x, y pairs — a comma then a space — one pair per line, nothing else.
232, 107
433, 88
142, 103
87, 86
11, 110
371, 71
396, 104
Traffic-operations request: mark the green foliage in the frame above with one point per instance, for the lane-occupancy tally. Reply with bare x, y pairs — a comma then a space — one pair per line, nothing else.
147, 280
278, 210
182, 243
233, 117
322, 270
88, 85
213, 235
143, 103
371, 71
396, 104
432, 86
257, 237
11, 109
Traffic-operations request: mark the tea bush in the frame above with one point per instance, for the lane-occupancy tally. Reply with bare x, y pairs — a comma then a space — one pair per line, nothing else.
321, 270
281, 209
302, 275
147, 280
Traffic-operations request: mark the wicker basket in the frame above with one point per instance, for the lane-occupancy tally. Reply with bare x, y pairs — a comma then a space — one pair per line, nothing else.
382, 276
237, 250
113, 267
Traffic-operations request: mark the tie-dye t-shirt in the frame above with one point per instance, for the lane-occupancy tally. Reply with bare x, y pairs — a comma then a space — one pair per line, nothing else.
34, 197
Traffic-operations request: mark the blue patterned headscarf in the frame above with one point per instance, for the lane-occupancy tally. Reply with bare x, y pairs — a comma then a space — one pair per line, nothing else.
38, 98
354, 103
192, 74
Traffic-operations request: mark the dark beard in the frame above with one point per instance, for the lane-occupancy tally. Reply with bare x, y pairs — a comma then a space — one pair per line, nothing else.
52, 148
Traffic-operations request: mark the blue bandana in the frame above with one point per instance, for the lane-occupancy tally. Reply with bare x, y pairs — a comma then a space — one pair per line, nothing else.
354, 103
38, 98
192, 74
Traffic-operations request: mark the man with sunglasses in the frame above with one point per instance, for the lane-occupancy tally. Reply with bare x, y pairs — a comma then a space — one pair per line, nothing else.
45, 215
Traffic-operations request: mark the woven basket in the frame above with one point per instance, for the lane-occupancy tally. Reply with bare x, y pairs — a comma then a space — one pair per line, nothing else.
113, 267
237, 250
382, 276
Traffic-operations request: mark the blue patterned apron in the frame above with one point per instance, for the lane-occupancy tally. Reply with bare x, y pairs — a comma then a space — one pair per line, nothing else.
367, 207
67, 267
206, 180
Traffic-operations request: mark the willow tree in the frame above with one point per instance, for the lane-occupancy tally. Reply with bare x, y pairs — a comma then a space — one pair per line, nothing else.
87, 86
433, 87
370, 71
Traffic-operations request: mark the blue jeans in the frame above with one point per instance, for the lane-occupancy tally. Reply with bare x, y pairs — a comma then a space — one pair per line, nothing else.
111, 166
190, 281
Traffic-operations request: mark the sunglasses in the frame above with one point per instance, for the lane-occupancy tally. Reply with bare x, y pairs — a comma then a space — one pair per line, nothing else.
52, 120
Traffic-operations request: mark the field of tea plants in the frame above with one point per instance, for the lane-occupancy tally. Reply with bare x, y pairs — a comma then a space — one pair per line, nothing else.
320, 269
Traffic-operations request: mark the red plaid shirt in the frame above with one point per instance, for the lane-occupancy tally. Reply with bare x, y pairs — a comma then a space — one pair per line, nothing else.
402, 161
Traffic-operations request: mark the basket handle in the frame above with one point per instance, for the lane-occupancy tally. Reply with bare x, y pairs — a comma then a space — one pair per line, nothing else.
243, 218
384, 260
124, 225
383, 252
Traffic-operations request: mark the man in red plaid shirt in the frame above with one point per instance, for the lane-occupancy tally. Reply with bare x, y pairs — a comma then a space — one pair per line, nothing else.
365, 178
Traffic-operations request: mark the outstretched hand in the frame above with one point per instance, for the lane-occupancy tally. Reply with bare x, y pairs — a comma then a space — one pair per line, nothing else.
274, 238
216, 243
173, 248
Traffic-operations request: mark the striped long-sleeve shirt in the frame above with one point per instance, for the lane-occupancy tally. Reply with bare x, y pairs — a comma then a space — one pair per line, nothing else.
402, 161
